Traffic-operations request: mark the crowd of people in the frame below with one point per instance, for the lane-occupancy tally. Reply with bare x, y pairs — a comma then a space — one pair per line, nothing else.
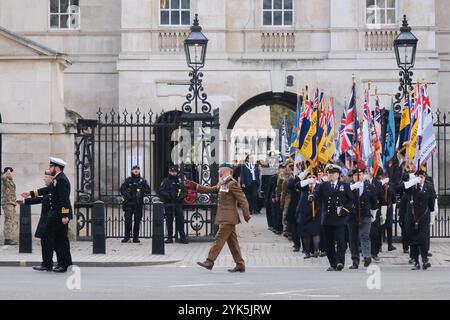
325, 213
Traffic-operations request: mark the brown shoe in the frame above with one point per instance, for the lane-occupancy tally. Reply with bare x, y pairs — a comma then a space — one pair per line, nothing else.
206, 264
236, 269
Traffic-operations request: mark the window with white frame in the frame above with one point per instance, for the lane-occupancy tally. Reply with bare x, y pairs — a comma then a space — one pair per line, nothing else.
64, 14
175, 12
381, 12
278, 12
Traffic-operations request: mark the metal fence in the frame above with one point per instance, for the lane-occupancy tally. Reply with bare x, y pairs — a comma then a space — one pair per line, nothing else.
107, 148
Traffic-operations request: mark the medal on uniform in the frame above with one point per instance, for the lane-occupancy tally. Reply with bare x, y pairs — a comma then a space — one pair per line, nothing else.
416, 225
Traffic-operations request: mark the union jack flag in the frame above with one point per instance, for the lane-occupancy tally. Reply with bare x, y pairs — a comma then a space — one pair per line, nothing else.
346, 143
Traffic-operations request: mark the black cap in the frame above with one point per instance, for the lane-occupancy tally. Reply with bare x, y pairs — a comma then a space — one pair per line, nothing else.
8, 168
135, 167
173, 168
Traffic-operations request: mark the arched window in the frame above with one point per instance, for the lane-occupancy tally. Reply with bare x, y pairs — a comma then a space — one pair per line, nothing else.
381, 12
64, 14
278, 12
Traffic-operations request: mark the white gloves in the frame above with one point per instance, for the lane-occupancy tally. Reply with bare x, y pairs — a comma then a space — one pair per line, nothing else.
305, 182
383, 214
325, 178
432, 217
356, 185
367, 177
412, 182
384, 181
303, 174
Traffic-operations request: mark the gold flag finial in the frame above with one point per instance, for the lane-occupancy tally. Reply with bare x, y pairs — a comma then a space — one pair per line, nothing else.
353, 77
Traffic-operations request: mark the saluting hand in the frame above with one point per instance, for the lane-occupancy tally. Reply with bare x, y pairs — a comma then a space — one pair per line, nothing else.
25, 194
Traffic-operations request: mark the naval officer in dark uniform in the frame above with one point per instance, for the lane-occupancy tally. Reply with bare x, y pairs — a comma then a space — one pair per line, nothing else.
337, 202
60, 212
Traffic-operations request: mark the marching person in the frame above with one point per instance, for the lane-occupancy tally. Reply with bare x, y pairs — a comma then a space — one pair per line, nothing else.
229, 195
309, 218
133, 189
388, 203
249, 179
361, 217
285, 197
277, 212
270, 200
47, 246
375, 228
9, 207
60, 212
336, 203
420, 204
172, 192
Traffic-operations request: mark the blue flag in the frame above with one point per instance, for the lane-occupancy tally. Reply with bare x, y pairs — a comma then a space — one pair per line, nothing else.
389, 146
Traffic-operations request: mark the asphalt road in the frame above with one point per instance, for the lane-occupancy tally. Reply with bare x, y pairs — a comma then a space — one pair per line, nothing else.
195, 283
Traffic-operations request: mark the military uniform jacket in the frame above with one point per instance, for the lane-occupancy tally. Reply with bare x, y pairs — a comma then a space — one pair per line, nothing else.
45, 209
269, 194
331, 199
362, 204
229, 195
59, 191
419, 203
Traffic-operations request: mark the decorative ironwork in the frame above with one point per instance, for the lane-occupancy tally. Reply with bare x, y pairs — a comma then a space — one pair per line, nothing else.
196, 93
107, 147
405, 87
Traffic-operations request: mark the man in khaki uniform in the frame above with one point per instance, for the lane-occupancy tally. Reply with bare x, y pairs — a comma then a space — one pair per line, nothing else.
9, 206
229, 195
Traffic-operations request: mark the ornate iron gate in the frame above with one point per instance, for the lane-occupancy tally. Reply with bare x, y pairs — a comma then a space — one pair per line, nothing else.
107, 148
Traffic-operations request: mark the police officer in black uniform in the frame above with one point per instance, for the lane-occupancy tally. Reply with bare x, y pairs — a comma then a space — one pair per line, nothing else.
133, 190
420, 202
337, 202
172, 192
60, 213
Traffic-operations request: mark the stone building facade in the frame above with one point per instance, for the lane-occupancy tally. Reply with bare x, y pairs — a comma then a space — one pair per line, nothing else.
61, 60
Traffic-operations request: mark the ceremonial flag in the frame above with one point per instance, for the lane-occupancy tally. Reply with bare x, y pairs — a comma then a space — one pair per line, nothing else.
377, 118
327, 144
414, 141
346, 142
429, 145
367, 149
296, 126
404, 131
284, 142
308, 131
389, 145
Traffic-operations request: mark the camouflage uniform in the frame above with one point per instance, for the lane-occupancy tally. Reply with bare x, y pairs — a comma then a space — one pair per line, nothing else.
9, 207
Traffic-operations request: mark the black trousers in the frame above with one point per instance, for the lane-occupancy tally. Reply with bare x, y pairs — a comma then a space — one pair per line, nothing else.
335, 244
250, 194
419, 240
129, 212
47, 252
277, 216
375, 238
268, 205
171, 211
57, 239
296, 235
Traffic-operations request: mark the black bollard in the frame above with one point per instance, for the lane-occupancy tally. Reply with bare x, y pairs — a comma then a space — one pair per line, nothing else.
25, 230
98, 228
158, 228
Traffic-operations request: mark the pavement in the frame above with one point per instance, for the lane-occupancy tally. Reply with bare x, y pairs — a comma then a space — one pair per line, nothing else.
260, 248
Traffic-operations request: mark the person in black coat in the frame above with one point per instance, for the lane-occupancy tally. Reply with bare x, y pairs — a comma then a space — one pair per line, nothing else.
360, 219
41, 229
172, 192
420, 203
60, 212
388, 203
270, 200
250, 181
133, 190
292, 212
375, 228
336, 203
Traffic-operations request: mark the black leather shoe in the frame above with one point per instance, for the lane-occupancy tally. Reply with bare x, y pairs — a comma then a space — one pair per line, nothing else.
42, 268
184, 241
392, 248
354, 266
296, 249
405, 251
429, 254
236, 269
125, 240
206, 264
367, 261
136, 241
168, 241
416, 267
307, 256
411, 261
339, 267
331, 269
59, 269
316, 254
426, 265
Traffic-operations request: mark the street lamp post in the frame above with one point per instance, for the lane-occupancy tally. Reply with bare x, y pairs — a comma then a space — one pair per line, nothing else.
195, 49
405, 52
